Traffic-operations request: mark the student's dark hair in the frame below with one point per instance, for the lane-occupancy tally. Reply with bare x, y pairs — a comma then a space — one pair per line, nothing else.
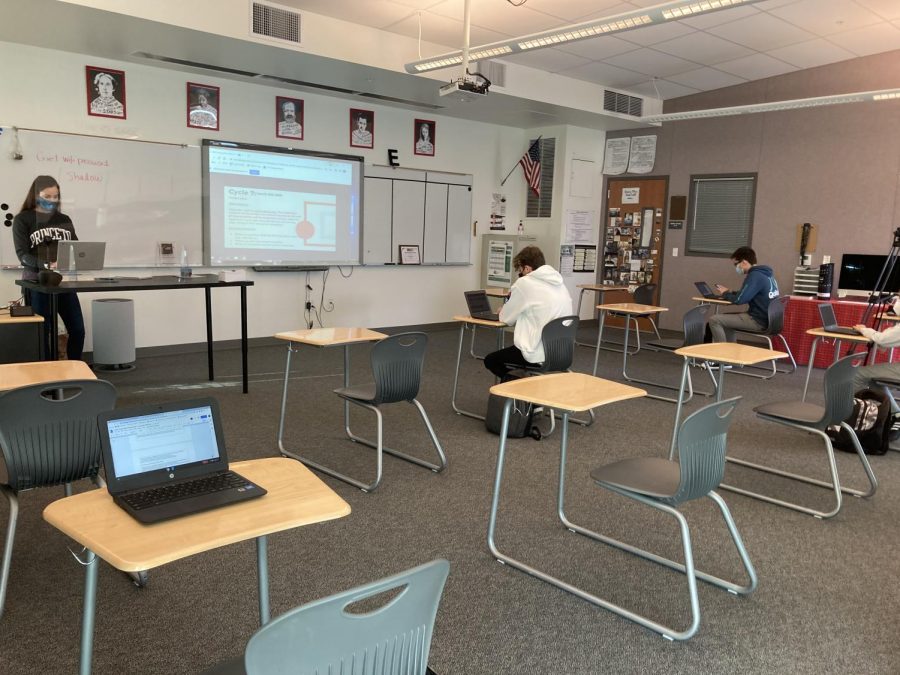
531, 256
744, 253
40, 183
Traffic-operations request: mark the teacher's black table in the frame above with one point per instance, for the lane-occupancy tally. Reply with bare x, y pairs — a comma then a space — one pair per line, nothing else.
161, 283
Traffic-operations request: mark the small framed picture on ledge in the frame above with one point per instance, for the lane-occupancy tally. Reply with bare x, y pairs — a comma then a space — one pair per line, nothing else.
409, 254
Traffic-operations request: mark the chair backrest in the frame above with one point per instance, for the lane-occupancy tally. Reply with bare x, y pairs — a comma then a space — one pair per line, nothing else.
701, 450
643, 294
397, 367
323, 637
776, 314
49, 434
558, 340
839, 390
694, 322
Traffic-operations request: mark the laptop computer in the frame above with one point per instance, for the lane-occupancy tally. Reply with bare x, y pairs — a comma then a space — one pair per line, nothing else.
706, 291
88, 255
168, 460
829, 321
480, 307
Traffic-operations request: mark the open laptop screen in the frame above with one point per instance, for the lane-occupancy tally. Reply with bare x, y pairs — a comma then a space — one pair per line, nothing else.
826, 313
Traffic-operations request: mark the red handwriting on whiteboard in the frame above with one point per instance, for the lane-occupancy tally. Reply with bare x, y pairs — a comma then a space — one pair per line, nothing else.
75, 177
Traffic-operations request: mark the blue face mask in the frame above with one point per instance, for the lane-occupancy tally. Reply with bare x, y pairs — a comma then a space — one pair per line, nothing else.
47, 204
739, 270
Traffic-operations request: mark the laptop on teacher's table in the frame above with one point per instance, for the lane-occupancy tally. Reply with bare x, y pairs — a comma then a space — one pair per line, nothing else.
480, 306
168, 460
87, 256
706, 291
829, 321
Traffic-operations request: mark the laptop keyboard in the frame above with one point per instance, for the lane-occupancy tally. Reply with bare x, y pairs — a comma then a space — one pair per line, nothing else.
194, 488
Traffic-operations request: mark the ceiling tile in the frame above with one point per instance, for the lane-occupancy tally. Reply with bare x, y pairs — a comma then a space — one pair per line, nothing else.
702, 48
824, 17
706, 79
443, 31
886, 9
663, 89
811, 54
882, 37
500, 17
375, 13
551, 60
755, 67
705, 21
415, 4
605, 74
651, 62
761, 32
597, 49
650, 35
573, 10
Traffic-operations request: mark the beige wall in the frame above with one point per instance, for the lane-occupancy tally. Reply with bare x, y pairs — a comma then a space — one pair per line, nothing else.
835, 166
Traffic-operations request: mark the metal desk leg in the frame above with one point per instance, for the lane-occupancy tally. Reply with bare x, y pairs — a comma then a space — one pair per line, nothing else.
244, 336
809, 366
284, 390
209, 333
599, 340
262, 569
88, 612
456, 408
679, 405
347, 384
578, 313
54, 327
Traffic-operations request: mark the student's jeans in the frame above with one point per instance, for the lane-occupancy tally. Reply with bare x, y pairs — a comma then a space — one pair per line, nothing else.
722, 326
501, 362
69, 309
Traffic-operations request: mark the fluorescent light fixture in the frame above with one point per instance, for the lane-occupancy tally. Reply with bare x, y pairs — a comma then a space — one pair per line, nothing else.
792, 104
667, 11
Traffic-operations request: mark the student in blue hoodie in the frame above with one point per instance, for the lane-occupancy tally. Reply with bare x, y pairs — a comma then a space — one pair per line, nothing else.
757, 291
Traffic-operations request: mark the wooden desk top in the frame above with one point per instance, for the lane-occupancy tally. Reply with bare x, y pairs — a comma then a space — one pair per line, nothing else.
887, 316
6, 319
465, 318
631, 308
295, 497
821, 332
329, 337
497, 292
730, 352
14, 375
711, 301
567, 391
601, 287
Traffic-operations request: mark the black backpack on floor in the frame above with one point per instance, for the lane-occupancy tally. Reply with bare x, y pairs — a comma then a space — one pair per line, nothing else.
871, 418
521, 418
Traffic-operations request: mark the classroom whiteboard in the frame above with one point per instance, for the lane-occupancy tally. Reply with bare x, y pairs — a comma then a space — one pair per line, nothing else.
130, 194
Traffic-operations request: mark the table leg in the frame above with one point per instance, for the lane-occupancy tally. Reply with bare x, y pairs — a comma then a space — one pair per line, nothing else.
284, 390
809, 366
347, 384
209, 334
625, 347
459, 351
244, 336
720, 384
498, 478
678, 407
599, 340
88, 612
262, 570
54, 327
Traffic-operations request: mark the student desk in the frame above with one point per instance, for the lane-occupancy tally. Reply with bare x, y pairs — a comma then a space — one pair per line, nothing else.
322, 337
14, 375
466, 321
21, 338
500, 293
724, 354
700, 300
630, 309
839, 338
567, 393
161, 283
296, 497
600, 290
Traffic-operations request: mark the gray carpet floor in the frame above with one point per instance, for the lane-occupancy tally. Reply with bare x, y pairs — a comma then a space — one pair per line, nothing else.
828, 590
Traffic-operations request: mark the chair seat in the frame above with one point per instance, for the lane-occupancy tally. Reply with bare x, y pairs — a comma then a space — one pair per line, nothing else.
650, 476
669, 344
793, 411
889, 381
358, 392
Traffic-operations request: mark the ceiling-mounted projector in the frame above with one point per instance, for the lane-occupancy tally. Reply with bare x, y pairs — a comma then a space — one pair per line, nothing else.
465, 90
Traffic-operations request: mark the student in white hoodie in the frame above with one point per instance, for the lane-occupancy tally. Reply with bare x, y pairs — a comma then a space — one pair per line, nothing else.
885, 339
535, 299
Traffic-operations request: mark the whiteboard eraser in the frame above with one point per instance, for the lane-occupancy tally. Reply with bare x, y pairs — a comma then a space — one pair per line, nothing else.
233, 275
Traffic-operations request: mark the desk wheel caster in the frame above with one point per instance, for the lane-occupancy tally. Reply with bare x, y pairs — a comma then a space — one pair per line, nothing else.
536, 433
139, 579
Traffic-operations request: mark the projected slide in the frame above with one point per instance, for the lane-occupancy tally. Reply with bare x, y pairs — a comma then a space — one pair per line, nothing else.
270, 206
280, 220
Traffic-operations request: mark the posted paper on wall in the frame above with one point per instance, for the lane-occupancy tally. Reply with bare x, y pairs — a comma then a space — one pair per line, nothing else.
500, 263
643, 154
615, 159
579, 227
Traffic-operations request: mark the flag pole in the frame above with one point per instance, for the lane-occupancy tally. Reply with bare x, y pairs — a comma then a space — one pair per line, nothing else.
536, 141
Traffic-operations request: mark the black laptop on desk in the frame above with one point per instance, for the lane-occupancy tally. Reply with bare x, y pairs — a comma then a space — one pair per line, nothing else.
704, 289
168, 460
829, 321
480, 306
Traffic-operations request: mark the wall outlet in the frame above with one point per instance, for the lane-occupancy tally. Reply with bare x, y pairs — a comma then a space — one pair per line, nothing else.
674, 252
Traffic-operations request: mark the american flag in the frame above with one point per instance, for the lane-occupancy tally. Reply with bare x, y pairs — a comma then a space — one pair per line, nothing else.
531, 167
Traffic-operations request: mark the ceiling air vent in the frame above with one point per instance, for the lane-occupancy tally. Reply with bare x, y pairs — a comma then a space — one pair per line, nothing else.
275, 22
623, 104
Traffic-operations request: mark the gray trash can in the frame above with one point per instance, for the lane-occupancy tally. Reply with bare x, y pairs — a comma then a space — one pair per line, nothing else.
113, 328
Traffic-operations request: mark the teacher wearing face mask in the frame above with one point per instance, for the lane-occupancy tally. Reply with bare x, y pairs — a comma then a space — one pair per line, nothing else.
757, 291
37, 231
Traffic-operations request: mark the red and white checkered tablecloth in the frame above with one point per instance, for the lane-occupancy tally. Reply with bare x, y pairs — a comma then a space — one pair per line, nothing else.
802, 313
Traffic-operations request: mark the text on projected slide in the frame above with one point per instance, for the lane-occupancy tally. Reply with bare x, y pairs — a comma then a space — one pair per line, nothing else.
278, 219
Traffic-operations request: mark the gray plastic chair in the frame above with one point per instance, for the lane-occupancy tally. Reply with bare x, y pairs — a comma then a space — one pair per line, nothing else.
324, 637
774, 329
815, 419
665, 484
48, 437
887, 384
397, 367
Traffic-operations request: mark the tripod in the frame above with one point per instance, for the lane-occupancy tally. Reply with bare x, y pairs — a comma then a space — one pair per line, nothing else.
876, 303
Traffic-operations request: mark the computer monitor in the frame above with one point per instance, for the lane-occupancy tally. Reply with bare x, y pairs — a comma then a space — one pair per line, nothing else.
860, 273
88, 255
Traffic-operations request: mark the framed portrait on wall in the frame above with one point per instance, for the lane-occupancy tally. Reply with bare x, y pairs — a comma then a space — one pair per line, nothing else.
289, 117
362, 128
423, 132
204, 107
105, 92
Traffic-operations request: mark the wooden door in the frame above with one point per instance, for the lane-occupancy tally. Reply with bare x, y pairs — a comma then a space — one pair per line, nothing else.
634, 236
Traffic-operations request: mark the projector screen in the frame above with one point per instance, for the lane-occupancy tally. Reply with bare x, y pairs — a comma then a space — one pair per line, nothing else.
267, 206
